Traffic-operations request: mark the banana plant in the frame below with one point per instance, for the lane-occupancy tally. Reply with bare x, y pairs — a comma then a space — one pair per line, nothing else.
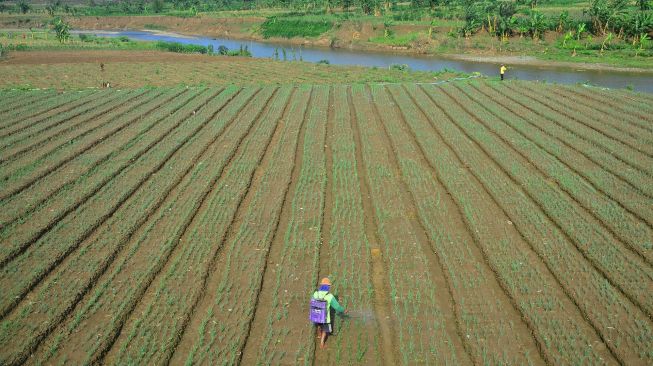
606, 41
644, 40
580, 29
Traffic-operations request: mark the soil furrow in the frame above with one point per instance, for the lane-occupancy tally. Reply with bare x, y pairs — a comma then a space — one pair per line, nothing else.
251, 348
385, 319
616, 109
590, 163
135, 343
412, 277
105, 243
29, 168
483, 301
75, 128
537, 273
610, 161
631, 229
630, 277
435, 267
211, 341
54, 117
323, 252
44, 185
26, 232
560, 235
15, 159
14, 269
620, 145
599, 120
13, 116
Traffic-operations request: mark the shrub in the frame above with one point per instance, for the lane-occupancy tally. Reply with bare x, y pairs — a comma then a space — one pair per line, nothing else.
181, 48
288, 28
399, 67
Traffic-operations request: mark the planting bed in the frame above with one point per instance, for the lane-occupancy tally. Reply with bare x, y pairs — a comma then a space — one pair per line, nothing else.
470, 223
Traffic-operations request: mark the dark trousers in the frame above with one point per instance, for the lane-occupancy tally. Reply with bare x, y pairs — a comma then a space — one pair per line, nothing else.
501, 76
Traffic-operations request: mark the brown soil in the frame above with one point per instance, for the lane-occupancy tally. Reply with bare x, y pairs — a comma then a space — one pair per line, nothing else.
124, 275
134, 69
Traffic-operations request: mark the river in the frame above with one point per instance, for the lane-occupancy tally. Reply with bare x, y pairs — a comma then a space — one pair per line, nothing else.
339, 56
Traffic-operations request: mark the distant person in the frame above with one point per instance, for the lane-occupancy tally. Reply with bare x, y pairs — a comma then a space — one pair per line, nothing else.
322, 303
502, 71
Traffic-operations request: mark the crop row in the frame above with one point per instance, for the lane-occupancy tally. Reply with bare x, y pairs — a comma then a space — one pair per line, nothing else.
554, 124
421, 304
634, 104
530, 167
621, 114
292, 266
493, 329
30, 163
587, 184
22, 101
35, 105
597, 299
64, 165
584, 126
184, 182
83, 125
55, 120
95, 225
148, 335
480, 222
587, 161
30, 228
627, 134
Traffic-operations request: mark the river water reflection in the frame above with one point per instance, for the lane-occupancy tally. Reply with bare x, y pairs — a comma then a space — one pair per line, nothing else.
339, 56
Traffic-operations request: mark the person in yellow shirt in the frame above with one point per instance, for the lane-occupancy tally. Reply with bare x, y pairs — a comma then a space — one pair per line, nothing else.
502, 71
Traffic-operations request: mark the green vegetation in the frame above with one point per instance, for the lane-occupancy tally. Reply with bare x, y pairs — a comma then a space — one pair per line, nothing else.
405, 40
62, 39
614, 32
477, 222
289, 28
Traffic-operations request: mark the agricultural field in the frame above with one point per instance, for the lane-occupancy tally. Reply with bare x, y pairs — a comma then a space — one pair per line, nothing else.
472, 222
70, 69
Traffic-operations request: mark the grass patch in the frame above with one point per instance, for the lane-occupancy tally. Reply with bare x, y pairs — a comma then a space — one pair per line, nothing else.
405, 40
158, 27
289, 28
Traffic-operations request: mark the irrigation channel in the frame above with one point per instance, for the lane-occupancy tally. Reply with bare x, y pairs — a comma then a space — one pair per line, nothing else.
339, 56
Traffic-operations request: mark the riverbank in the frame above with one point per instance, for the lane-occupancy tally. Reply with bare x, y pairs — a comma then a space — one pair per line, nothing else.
367, 36
355, 35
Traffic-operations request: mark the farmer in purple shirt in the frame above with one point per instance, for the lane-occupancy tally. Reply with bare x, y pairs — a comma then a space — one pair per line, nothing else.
321, 304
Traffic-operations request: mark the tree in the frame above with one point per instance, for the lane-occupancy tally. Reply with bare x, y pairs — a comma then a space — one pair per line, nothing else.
24, 7
157, 6
644, 4
61, 28
604, 12
563, 21
537, 24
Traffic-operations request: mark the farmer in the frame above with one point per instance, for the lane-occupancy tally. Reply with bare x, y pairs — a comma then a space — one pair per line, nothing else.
502, 71
321, 304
